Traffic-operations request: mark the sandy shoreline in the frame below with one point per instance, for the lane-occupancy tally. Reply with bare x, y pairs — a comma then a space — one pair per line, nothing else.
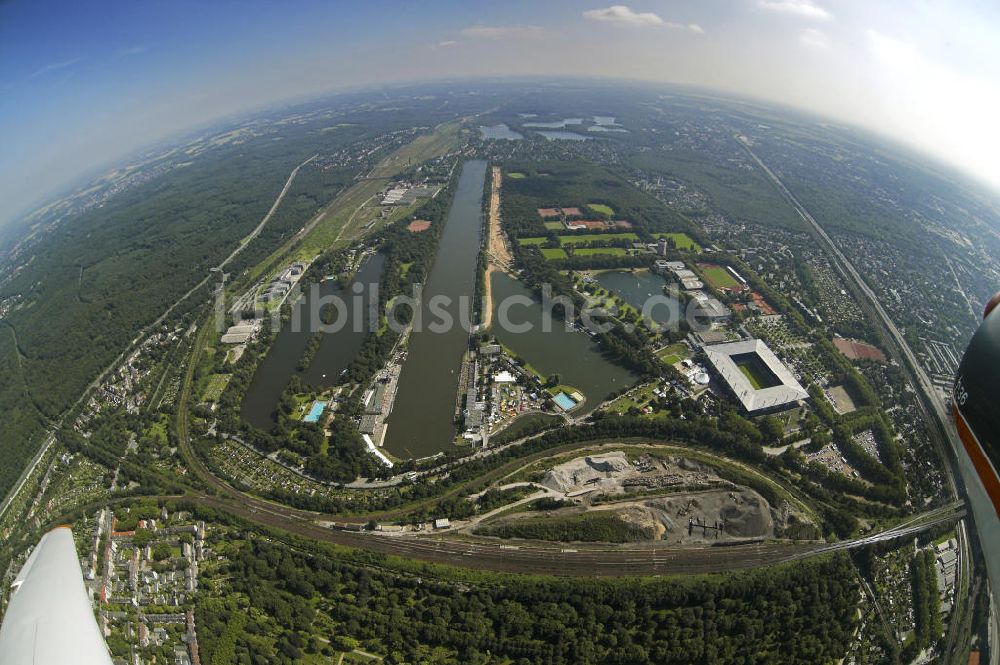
499, 257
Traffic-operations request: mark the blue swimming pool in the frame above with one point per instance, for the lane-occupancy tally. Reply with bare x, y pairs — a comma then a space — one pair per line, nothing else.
315, 412
564, 401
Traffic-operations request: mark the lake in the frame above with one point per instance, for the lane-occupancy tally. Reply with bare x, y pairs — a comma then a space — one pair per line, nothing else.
499, 132
558, 124
565, 136
636, 288
422, 419
335, 352
572, 354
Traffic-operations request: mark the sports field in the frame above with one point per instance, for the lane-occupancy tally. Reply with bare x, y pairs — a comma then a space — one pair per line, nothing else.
717, 276
516, 175
551, 253
585, 238
601, 209
682, 241
758, 374
553, 226
531, 242
594, 251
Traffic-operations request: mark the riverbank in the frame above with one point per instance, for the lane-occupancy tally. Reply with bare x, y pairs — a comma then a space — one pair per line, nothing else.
498, 253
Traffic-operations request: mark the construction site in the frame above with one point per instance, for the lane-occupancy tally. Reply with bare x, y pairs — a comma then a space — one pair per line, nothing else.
672, 500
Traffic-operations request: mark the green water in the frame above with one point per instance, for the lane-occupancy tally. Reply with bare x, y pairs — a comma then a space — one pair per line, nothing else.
572, 354
636, 288
422, 418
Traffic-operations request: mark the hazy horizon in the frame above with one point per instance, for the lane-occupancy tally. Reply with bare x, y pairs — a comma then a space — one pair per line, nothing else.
82, 88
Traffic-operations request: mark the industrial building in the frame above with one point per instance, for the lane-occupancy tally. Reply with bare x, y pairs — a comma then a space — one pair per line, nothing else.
710, 308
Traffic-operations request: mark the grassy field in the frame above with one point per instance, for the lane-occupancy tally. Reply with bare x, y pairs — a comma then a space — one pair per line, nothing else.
531, 242
553, 226
216, 384
673, 353
584, 238
336, 223
554, 253
751, 377
718, 277
681, 240
593, 251
637, 397
601, 209
603, 526
516, 175
756, 371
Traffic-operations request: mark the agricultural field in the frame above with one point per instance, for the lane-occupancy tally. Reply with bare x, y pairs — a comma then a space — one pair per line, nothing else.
532, 242
516, 175
682, 241
601, 209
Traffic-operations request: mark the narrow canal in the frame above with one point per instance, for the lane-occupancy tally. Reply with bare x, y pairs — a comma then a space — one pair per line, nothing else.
422, 418
335, 352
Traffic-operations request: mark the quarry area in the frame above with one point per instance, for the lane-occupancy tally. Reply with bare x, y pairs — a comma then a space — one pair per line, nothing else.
675, 500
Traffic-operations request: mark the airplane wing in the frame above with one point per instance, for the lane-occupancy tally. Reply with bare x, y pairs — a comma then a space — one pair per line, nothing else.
49, 620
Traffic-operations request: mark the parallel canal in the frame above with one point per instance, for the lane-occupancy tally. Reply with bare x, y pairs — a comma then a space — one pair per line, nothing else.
422, 418
333, 356
571, 354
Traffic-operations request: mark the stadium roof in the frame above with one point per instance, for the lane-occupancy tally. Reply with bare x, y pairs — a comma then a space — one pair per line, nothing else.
786, 392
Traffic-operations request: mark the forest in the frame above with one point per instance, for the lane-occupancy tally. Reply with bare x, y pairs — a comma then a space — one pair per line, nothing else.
789, 614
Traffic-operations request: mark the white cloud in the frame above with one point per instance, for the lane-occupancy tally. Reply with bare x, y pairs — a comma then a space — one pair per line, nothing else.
131, 50
814, 38
480, 31
622, 15
625, 16
804, 8
52, 67
690, 27
446, 43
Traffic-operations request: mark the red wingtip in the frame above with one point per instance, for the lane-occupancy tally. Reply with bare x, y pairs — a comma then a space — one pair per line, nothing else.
991, 305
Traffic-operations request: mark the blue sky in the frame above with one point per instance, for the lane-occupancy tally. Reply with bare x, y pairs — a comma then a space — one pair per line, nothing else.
85, 83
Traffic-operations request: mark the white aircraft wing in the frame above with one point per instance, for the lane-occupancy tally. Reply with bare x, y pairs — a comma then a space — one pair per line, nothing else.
49, 620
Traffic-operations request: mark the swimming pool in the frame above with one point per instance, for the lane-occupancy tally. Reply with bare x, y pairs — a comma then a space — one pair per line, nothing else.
315, 412
564, 401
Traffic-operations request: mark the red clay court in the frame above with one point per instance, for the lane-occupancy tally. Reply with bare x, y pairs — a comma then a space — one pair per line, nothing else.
545, 213
858, 350
418, 225
763, 305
